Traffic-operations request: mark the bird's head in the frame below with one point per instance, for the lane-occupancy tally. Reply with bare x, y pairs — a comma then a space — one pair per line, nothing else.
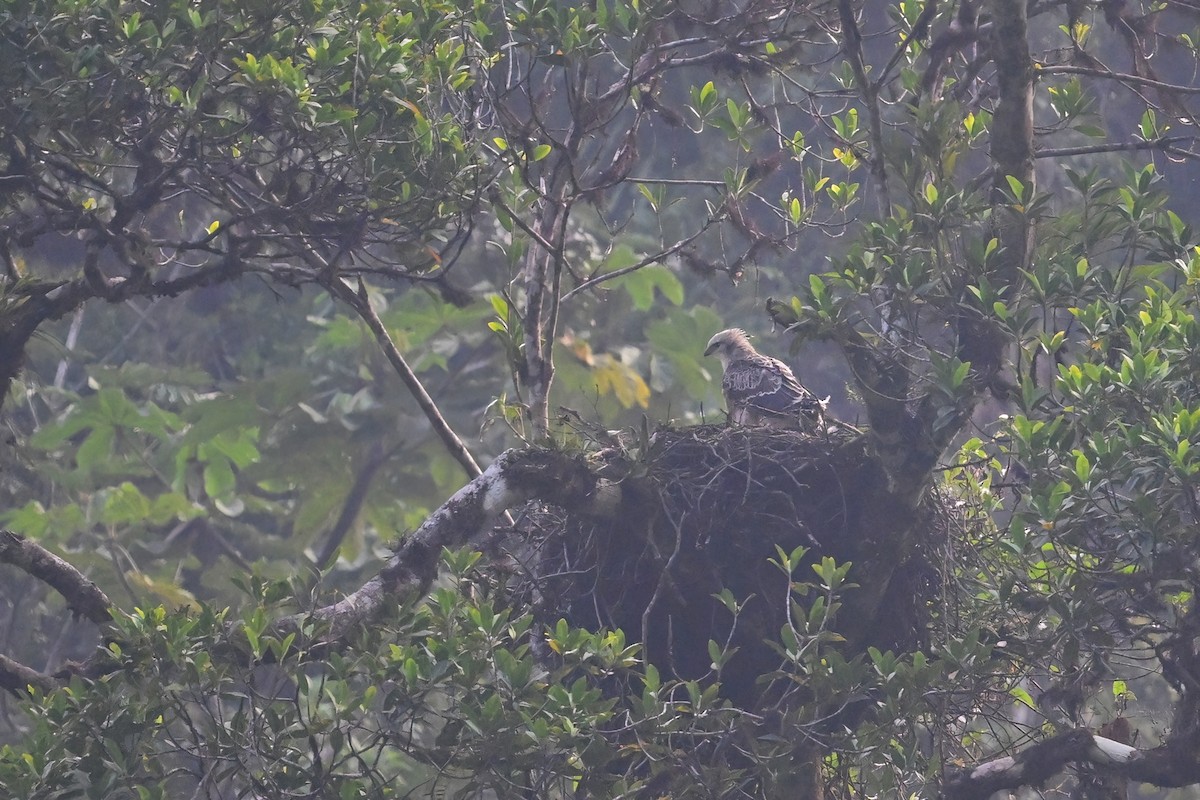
727, 343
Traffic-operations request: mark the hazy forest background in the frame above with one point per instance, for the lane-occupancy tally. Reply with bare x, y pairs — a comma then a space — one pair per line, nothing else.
358, 440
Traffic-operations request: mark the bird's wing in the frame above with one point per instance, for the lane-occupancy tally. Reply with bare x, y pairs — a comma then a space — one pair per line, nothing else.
768, 385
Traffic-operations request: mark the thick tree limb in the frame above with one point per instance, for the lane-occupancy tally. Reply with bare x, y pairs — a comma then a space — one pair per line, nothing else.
895, 435
1170, 765
515, 477
981, 342
83, 597
29, 306
38, 302
909, 439
1012, 149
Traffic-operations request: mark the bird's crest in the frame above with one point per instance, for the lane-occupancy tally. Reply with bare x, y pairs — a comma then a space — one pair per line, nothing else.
735, 337
738, 335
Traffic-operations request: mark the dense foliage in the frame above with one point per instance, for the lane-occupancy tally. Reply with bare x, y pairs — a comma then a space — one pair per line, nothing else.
278, 275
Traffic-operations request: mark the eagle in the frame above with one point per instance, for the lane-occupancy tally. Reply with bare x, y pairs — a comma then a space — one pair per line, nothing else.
760, 390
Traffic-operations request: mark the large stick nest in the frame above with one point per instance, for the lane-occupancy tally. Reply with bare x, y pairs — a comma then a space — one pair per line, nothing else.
707, 507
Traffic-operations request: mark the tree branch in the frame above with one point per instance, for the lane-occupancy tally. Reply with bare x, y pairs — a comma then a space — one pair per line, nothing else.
516, 476
645, 262
1161, 143
981, 341
39, 302
53, 299
361, 303
83, 597
1123, 77
1012, 150
919, 31
852, 49
1170, 765
16, 678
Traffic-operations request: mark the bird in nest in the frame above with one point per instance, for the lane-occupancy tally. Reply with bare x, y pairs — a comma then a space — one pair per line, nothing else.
760, 390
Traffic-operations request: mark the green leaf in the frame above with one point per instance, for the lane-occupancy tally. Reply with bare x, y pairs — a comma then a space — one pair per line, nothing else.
96, 448
219, 479
238, 446
125, 504
1022, 695
715, 654
1016, 187
642, 283
960, 373
168, 592
171, 506
1083, 468
816, 285
115, 407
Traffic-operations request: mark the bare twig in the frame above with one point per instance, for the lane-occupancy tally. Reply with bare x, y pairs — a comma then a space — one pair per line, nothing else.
1123, 77
645, 262
1161, 143
918, 32
677, 182
60, 375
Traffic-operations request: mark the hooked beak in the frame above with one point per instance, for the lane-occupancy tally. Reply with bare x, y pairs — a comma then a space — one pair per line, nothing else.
712, 348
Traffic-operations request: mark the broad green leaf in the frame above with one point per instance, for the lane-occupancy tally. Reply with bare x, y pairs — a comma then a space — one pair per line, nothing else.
641, 285
168, 592
125, 505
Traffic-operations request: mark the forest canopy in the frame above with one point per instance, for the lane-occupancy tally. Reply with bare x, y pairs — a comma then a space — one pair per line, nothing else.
359, 440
